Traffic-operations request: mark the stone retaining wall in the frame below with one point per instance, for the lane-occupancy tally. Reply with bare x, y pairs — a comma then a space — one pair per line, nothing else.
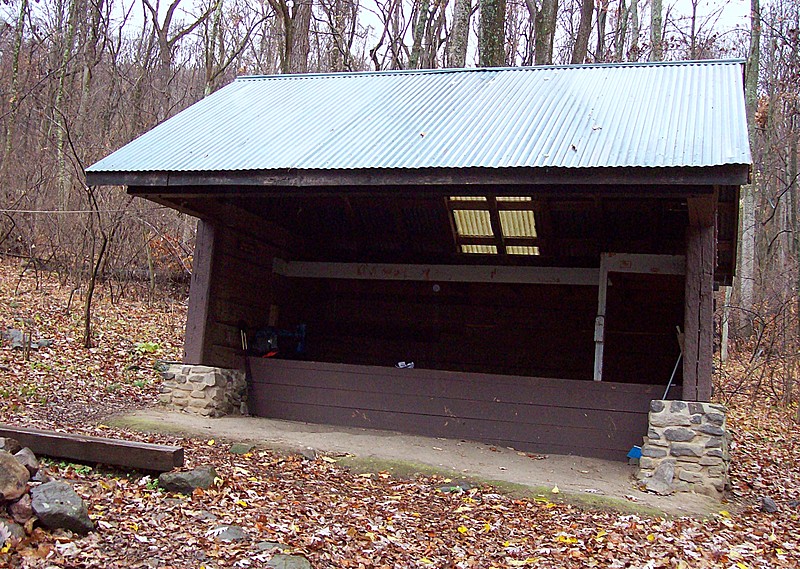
686, 449
202, 390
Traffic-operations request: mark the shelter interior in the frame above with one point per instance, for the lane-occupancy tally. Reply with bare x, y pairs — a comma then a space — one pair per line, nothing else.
353, 315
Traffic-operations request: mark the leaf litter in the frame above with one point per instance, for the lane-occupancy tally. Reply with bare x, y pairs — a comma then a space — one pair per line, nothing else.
316, 508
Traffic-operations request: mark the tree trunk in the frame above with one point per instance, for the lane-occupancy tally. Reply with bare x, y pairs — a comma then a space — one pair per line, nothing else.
459, 34
301, 23
794, 247
59, 116
602, 16
545, 31
656, 32
620, 36
491, 36
584, 29
747, 216
726, 316
14, 94
423, 12
633, 53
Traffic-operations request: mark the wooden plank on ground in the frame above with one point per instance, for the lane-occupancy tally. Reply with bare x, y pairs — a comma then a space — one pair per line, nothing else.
86, 449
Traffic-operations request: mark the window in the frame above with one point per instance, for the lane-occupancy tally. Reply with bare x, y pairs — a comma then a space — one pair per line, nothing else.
488, 225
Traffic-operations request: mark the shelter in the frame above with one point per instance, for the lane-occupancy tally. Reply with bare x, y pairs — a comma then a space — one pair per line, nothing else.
530, 238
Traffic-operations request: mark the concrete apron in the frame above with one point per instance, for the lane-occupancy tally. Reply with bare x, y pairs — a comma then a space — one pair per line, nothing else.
589, 481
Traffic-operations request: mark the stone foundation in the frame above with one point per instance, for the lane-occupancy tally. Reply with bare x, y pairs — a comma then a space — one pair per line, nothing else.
202, 390
686, 449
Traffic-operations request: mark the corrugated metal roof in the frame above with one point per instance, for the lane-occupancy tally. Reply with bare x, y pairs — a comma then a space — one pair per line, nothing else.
623, 115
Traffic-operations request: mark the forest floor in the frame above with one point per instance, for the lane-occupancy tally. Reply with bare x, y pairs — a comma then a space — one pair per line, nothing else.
333, 515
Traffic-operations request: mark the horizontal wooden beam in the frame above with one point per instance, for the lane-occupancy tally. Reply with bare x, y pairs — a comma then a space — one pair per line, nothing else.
85, 449
615, 262
732, 174
645, 264
438, 273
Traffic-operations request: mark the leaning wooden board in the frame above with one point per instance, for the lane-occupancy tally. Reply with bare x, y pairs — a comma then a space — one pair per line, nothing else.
82, 448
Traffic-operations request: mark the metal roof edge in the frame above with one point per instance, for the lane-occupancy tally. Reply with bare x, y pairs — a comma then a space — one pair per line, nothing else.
456, 70
722, 174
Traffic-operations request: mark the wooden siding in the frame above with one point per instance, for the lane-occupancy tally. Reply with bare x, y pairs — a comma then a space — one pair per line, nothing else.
239, 290
513, 329
558, 416
532, 330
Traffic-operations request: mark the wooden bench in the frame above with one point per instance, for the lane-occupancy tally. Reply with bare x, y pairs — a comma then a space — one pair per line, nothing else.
85, 449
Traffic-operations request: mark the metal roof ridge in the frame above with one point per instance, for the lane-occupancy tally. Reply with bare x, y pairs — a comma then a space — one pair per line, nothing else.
456, 70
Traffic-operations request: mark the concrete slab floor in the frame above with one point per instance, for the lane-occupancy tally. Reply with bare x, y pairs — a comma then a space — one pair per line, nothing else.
589, 481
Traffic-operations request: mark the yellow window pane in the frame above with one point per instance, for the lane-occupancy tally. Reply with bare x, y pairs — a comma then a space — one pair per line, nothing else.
467, 198
514, 198
473, 223
479, 249
521, 250
518, 223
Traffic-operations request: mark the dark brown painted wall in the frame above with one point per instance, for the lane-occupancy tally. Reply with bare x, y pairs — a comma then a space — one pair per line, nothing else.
531, 330
241, 291
600, 419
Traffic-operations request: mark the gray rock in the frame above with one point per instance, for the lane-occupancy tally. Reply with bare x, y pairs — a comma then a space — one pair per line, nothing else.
27, 459
21, 510
714, 442
687, 476
45, 343
716, 418
309, 453
711, 461
687, 449
14, 338
696, 419
13, 477
677, 406
709, 429
41, 476
9, 531
647, 463
661, 481
283, 561
206, 516
267, 545
229, 533
768, 505
654, 452
678, 434
10, 445
696, 408
241, 448
656, 406
58, 507
653, 435
187, 482
667, 419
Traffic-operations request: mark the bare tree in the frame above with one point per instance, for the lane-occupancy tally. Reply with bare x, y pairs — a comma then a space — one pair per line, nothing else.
491, 34
581, 47
545, 30
458, 38
656, 31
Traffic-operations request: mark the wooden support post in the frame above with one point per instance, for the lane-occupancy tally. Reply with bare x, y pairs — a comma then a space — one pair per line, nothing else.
199, 295
698, 314
600, 320
626, 263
